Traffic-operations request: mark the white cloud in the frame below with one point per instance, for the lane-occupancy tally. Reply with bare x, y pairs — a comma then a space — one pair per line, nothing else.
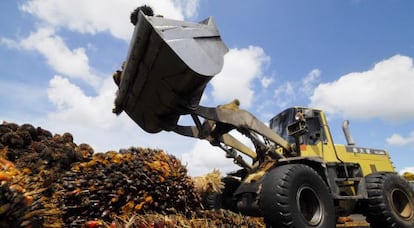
284, 94
76, 107
308, 82
398, 140
290, 91
204, 157
188, 7
266, 81
9, 43
95, 16
385, 91
72, 63
241, 67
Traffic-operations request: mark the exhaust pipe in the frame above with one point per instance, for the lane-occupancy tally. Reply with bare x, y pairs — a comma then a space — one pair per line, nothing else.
348, 137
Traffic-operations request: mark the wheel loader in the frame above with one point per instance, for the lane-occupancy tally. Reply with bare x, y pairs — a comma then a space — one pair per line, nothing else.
292, 174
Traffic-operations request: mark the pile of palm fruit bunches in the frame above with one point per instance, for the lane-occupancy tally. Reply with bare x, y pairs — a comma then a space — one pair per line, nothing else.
49, 181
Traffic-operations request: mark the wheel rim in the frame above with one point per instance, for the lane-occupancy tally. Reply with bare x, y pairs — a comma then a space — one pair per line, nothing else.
309, 205
401, 204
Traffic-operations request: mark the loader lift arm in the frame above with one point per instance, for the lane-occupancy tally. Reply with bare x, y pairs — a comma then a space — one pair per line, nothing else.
219, 121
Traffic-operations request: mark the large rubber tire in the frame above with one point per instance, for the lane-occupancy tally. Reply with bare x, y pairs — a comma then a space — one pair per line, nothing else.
211, 201
228, 201
225, 200
390, 201
295, 195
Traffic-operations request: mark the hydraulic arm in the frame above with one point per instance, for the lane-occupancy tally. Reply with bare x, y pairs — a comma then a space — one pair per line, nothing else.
219, 121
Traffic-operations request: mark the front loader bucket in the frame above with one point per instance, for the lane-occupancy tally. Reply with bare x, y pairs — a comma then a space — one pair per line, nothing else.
168, 66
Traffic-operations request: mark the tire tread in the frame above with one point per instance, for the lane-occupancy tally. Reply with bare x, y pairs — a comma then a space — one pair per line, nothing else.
275, 199
378, 212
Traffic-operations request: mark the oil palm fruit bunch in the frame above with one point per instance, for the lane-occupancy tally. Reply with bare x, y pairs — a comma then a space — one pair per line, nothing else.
120, 184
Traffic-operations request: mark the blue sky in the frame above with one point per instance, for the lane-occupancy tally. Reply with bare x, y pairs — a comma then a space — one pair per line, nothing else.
352, 58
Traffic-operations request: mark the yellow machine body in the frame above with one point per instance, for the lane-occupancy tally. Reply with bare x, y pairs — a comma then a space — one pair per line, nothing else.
371, 160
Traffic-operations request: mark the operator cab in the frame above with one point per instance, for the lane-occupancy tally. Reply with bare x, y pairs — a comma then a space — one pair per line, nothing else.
303, 124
